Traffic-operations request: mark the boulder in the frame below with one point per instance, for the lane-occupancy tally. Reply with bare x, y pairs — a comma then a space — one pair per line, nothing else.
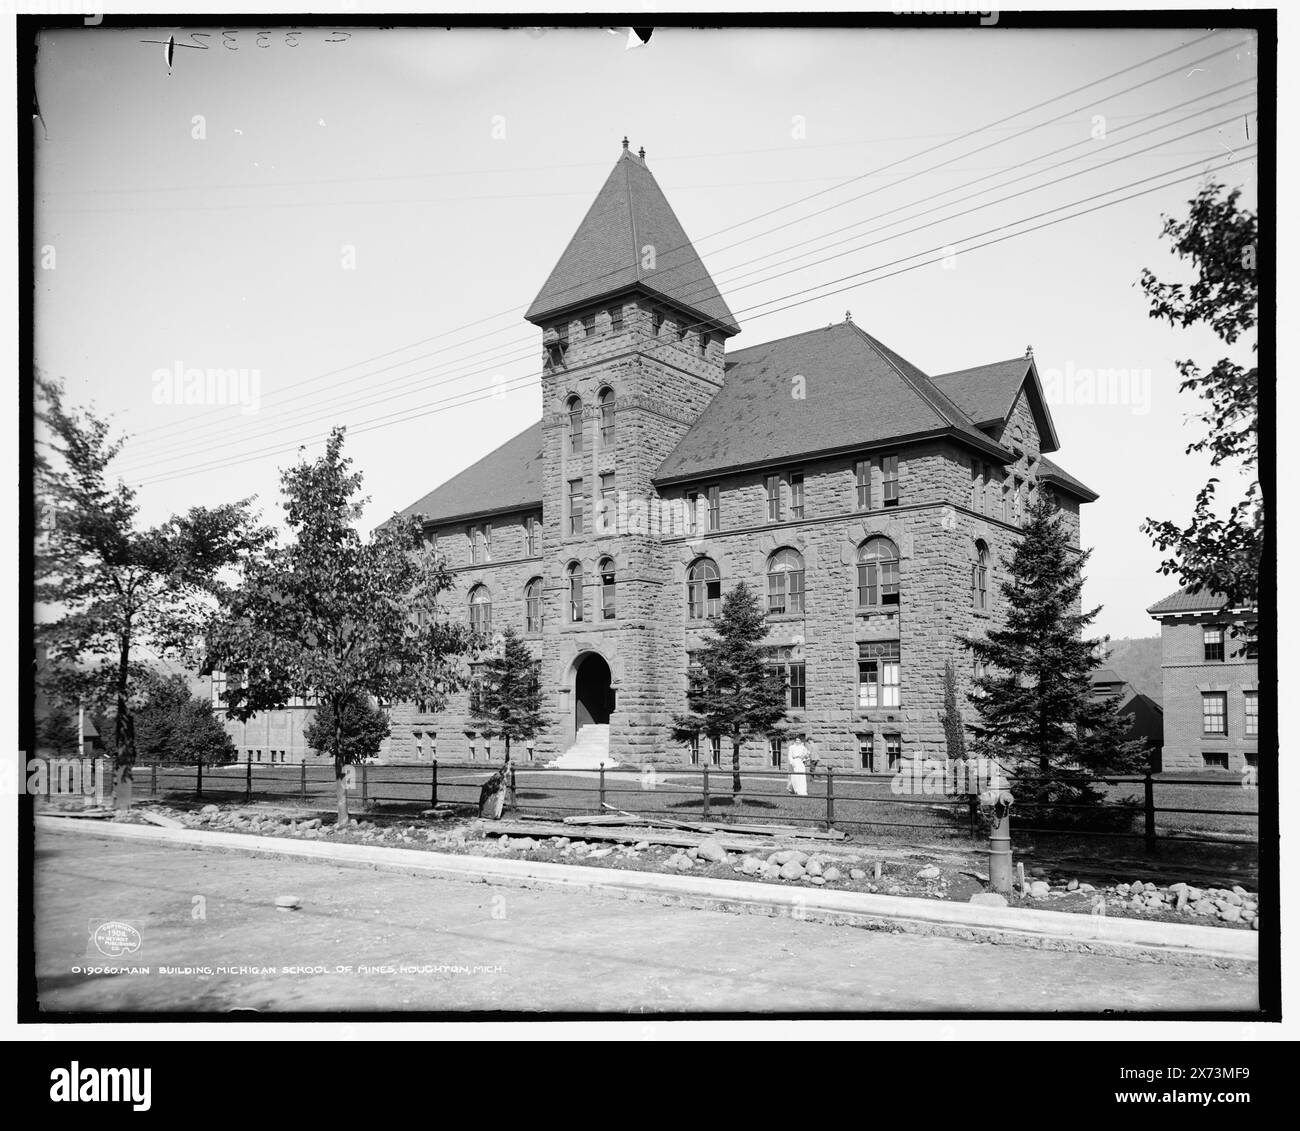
1039, 889
751, 865
857, 874
712, 851
599, 853
818, 880
988, 899
641, 846
210, 810
1121, 889
563, 842
814, 867
1204, 907
1072, 885
1086, 889
770, 872
1194, 894
1239, 890
685, 863
288, 902
1231, 913
832, 874
791, 870
1233, 898
930, 872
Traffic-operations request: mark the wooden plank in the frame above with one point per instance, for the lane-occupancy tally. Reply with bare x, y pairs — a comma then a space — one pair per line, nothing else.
158, 819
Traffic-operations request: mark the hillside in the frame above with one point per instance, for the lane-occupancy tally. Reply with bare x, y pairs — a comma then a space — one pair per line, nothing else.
1137, 659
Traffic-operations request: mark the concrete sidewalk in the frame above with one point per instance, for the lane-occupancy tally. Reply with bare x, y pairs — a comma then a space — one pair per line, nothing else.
1184, 944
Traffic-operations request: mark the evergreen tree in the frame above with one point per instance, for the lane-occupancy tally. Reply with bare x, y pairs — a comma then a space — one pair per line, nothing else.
361, 731
509, 700
175, 725
57, 733
737, 693
1037, 715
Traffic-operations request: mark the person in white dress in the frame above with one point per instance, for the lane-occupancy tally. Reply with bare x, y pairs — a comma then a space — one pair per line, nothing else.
798, 783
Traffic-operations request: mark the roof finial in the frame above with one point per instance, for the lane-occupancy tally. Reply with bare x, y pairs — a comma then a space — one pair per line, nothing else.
1029, 351
642, 153
625, 142
848, 316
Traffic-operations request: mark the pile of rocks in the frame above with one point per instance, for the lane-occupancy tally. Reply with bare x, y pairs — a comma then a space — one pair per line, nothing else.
1228, 905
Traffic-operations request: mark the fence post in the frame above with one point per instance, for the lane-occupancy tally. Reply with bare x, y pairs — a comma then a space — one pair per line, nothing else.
364, 785
433, 795
302, 777
153, 779
50, 771
830, 798
973, 802
602, 788
248, 781
1149, 804
705, 811
198, 787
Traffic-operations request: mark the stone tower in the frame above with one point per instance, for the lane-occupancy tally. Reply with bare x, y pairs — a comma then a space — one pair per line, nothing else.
633, 336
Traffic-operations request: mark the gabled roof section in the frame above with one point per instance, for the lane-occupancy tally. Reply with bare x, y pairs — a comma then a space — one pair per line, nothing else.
858, 393
507, 479
607, 253
988, 393
1106, 675
1059, 477
1188, 600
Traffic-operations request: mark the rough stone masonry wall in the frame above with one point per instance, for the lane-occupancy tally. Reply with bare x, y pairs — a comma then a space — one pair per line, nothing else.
935, 531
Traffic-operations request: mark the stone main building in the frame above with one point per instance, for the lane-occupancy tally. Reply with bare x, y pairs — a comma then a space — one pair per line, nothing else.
867, 502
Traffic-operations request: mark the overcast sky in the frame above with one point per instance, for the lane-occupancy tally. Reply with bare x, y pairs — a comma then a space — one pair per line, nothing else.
362, 219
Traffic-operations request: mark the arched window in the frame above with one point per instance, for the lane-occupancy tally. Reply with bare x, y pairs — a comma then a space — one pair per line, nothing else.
877, 573
785, 582
575, 591
703, 589
533, 605
574, 409
480, 610
607, 595
605, 399
980, 576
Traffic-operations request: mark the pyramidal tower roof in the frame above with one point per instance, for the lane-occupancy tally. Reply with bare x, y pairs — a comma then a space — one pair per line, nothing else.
630, 239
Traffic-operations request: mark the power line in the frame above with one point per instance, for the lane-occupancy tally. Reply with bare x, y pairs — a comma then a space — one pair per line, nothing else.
969, 133
461, 375
199, 423
426, 410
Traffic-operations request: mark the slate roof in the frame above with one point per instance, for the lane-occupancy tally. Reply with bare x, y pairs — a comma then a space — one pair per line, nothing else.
1188, 600
987, 393
858, 392
1058, 476
605, 255
509, 478
1106, 675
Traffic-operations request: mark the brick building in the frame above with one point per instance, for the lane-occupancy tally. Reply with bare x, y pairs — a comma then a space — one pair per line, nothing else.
1211, 682
867, 502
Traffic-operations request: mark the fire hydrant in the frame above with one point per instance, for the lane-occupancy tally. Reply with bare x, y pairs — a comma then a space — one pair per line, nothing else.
1000, 800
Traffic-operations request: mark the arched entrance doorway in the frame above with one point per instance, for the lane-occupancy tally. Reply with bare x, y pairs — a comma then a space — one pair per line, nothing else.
593, 697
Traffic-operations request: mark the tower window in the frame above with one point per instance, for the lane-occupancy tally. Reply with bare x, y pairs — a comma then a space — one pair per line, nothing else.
533, 605
615, 319
575, 592
1213, 637
574, 410
480, 610
796, 494
608, 604
656, 322
862, 473
879, 674
605, 401
588, 325
980, 577
575, 506
715, 508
